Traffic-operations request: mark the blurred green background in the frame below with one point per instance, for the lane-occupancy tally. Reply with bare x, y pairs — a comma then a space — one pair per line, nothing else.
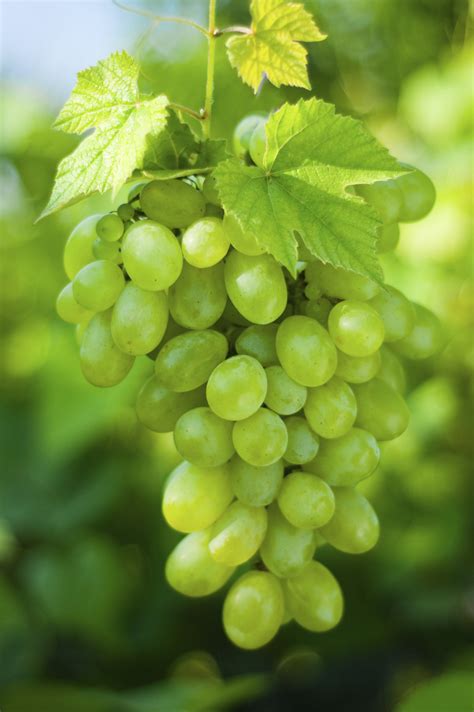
87, 621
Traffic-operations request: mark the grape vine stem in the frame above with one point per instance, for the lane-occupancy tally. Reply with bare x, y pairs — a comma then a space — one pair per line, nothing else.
211, 62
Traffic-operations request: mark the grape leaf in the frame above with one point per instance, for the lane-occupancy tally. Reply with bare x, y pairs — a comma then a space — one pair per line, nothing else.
106, 98
312, 155
272, 47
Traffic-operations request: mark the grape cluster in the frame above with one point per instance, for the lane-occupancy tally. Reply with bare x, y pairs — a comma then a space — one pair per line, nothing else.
278, 390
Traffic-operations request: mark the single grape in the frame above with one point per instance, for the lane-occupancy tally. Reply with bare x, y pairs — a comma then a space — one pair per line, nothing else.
78, 249
259, 341
386, 197
110, 228
312, 291
192, 571
306, 351
253, 610
243, 133
284, 395
244, 242
195, 497
306, 500
381, 410
314, 598
391, 370
159, 408
396, 312
418, 195
340, 283
347, 460
236, 388
107, 251
331, 409
187, 360
255, 486
286, 549
204, 439
303, 443
258, 144
358, 369
354, 527
126, 212
256, 286
152, 255
319, 309
68, 309
389, 236
102, 363
356, 328
210, 192
426, 337
139, 320
173, 203
238, 534
197, 300
98, 285
260, 439
205, 242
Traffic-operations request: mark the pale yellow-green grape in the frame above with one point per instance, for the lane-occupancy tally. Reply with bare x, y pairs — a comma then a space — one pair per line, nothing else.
210, 192
139, 320
198, 298
306, 500
389, 235
312, 291
107, 251
102, 362
253, 610
396, 312
81, 327
191, 570
238, 534
255, 486
358, 369
110, 228
78, 249
331, 409
418, 195
244, 242
205, 242
319, 309
340, 283
385, 196
259, 341
232, 316
152, 255
426, 337
68, 309
314, 598
195, 497
286, 549
203, 438
306, 351
98, 285
303, 443
243, 133
187, 360
173, 203
126, 212
354, 527
160, 409
260, 439
236, 388
347, 460
284, 395
256, 286
258, 144
356, 328
391, 370
381, 410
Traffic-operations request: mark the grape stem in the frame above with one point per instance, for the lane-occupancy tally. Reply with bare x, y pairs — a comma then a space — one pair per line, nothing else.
186, 110
233, 29
159, 18
211, 62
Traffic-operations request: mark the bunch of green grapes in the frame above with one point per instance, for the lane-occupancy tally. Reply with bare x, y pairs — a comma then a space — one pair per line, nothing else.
278, 391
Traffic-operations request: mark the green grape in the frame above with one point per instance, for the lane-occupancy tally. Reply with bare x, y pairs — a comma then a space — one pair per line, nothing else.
233, 317
286, 549
354, 527
107, 251
255, 486
253, 610
238, 534
259, 341
389, 236
386, 197
331, 409
198, 298
244, 242
391, 370
303, 443
418, 195
306, 500
236, 388
381, 410
192, 571
173, 203
260, 439
315, 598
152, 255
195, 497
356, 328
68, 309
160, 409
126, 212
340, 283
203, 438
396, 312
312, 291
306, 351
78, 249
98, 285
256, 286
139, 319
347, 460
110, 228
187, 360
243, 133
102, 363
210, 192
284, 395
205, 242
258, 144
426, 337
358, 369
319, 309
81, 327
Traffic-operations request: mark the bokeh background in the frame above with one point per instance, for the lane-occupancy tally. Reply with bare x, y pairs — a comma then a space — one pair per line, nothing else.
87, 621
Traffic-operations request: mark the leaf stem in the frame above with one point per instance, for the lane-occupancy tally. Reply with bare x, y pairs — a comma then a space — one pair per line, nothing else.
159, 18
234, 29
211, 61
186, 110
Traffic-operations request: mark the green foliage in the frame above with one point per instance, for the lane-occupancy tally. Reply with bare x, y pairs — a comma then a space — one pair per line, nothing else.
448, 692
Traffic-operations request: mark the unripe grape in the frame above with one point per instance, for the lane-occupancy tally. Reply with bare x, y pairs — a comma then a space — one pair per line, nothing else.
341, 283
236, 388
204, 439
255, 486
303, 443
152, 255
197, 300
173, 203
286, 549
110, 228
396, 312
78, 249
306, 500
107, 251
205, 242
426, 337
356, 328
98, 285
284, 395
68, 308
347, 460
391, 370
126, 212
258, 144
314, 598
358, 369
102, 363
306, 351
386, 197
260, 439
418, 195
243, 133
256, 286
210, 192
191, 570
331, 409
238, 534
389, 236
319, 309
159, 408
354, 528
381, 410
139, 320
259, 341
187, 360
244, 242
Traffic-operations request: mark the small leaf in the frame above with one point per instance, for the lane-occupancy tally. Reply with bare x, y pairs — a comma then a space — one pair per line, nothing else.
312, 156
273, 48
